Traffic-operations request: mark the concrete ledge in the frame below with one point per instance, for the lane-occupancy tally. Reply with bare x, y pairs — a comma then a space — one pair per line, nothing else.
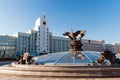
60, 71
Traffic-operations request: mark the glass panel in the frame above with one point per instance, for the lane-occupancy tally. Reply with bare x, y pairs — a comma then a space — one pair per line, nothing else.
49, 58
84, 60
92, 56
67, 58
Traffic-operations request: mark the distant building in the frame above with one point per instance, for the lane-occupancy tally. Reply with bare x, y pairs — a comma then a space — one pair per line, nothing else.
60, 44
7, 46
93, 45
109, 47
117, 47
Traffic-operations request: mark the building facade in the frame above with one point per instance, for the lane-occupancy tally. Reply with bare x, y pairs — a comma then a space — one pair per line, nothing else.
117, 47
59, 44
7, 46
40, 40
110, 47
32, 41
26, 42
93, 45
22, 42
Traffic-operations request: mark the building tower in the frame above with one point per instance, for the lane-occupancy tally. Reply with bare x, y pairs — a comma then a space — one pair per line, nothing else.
42, 35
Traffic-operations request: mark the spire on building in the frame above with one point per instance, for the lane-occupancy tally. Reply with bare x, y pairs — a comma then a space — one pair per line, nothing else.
43, 14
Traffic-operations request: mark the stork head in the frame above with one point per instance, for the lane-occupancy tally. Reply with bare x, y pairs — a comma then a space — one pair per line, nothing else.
82, 32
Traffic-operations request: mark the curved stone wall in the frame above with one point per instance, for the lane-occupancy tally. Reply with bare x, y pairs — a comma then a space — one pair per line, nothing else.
60, 71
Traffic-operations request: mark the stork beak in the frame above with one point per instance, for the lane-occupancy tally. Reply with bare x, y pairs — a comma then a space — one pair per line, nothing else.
83, 31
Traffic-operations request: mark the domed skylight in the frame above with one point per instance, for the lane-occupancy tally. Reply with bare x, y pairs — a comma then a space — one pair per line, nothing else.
82, 58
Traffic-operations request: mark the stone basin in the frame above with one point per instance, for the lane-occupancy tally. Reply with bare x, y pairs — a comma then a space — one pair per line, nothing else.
60, 71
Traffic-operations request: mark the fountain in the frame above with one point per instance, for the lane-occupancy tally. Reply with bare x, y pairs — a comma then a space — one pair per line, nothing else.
74, 63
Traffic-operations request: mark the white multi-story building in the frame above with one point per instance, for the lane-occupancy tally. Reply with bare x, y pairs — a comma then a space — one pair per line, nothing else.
36, 40
40, 40
42, 35
26, 42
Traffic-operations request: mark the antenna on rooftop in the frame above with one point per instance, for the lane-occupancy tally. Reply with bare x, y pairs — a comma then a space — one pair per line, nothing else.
72, 30
43, 12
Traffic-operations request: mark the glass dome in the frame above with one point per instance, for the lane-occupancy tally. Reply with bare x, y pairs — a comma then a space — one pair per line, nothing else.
82, 58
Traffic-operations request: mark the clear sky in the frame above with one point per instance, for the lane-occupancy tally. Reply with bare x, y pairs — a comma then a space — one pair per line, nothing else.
101, 18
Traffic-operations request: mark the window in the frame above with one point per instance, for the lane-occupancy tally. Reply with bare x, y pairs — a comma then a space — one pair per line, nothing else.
44, 23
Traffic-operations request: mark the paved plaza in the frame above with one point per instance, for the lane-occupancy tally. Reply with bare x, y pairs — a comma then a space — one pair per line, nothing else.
4, 77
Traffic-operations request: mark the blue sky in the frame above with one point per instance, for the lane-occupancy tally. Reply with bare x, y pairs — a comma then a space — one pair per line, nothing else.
101, 18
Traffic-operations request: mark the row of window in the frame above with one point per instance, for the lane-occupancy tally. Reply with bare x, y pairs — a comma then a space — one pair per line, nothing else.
7, 43
7, 47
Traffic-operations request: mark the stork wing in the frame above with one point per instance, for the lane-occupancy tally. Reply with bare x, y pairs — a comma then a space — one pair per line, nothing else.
70, 35
77, 33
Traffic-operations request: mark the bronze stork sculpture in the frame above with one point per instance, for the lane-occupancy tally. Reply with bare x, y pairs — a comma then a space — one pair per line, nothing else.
75, 44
